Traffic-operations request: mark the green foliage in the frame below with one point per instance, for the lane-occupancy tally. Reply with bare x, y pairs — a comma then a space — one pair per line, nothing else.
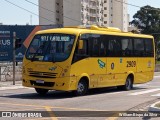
147, 19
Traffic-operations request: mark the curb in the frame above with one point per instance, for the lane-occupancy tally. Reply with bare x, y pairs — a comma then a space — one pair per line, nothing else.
11, 87
152, 108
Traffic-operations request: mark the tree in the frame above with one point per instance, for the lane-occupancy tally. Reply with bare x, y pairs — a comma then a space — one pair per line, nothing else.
147, 20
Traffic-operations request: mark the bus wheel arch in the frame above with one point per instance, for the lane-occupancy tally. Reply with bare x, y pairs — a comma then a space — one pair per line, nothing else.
128, 85
130, 78
82, 86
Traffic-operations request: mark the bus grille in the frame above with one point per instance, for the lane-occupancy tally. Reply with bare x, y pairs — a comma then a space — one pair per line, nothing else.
42, 74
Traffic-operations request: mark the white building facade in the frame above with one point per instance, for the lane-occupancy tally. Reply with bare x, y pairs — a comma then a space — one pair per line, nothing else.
109, 13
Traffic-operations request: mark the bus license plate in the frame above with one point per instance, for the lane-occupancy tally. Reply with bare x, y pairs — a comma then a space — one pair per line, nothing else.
40, 81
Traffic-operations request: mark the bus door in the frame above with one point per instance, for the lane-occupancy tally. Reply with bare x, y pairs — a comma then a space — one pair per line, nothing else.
113, 66
97, 50
86, 62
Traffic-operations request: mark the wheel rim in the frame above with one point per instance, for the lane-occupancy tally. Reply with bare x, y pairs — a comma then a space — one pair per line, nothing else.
81, 88
128, 84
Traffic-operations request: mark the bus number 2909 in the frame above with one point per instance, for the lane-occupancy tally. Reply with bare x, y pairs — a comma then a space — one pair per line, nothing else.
131, 63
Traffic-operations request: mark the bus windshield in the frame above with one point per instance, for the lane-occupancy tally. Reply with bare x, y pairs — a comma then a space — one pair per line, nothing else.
50, 47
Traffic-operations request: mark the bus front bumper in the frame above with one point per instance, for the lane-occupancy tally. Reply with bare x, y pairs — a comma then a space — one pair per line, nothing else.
64, 84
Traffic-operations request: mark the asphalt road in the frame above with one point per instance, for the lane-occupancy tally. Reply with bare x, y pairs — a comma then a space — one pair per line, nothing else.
99, 100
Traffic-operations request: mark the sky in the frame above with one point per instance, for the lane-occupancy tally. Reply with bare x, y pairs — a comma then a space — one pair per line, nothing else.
11, 15
132, 10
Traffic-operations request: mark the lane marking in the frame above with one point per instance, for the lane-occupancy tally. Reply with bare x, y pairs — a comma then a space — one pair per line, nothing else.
15, 104
17, 109
67, 108
52, 115
48, 108
144, 92
52, 107
156, 94
112, 118
156, 77
39, 119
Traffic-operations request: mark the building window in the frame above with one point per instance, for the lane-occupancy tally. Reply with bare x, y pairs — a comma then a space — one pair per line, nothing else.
105, 22
57, 19
105, 8
105, 15
105, 1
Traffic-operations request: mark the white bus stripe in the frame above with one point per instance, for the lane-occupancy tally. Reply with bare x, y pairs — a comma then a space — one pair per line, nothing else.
144, 92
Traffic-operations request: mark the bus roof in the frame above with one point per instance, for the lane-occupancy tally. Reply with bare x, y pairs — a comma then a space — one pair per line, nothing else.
92, 29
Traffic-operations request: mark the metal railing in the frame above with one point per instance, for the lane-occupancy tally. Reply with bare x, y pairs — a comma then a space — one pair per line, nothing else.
6, 71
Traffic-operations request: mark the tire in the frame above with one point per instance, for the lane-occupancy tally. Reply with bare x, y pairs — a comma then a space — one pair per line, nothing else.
82, 88
128, 85
41, 91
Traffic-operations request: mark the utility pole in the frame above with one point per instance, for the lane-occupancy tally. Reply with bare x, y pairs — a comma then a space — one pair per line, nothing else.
14, 58
0, 74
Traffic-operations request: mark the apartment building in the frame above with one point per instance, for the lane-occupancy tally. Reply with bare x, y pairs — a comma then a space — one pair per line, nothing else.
109, 13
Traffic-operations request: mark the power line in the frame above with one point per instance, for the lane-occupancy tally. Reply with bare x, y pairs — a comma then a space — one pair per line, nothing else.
128, 3
51, 11
29, 11
136, 5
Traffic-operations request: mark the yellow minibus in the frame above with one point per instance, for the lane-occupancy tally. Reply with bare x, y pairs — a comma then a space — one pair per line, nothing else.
81, 58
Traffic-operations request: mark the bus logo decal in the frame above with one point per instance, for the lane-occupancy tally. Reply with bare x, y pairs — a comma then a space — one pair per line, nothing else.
101, 63
53, 68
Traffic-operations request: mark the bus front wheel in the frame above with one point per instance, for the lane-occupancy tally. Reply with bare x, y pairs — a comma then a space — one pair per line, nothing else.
41, 91
128, 84
82, 88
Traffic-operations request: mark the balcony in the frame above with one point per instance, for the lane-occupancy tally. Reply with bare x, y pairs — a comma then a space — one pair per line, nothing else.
93, 15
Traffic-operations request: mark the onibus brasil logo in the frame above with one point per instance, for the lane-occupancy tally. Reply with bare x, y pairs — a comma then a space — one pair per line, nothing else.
101, 63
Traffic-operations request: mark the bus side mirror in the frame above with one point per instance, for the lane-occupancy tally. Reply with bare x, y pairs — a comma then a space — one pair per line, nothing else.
80, 44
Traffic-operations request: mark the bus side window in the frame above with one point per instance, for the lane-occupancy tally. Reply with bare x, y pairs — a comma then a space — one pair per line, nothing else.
102, 51
127, 47
149, 48
139, 47
114, 47
95, 47
82, 53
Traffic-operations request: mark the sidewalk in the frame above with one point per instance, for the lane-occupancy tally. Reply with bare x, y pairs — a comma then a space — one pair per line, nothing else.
8, 85
156, 73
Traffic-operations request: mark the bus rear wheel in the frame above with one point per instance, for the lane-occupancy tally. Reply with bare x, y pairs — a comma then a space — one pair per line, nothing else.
41, 91
128, 84
82, 88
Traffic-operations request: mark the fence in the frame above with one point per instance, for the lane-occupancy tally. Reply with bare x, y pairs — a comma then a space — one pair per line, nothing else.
6, 71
